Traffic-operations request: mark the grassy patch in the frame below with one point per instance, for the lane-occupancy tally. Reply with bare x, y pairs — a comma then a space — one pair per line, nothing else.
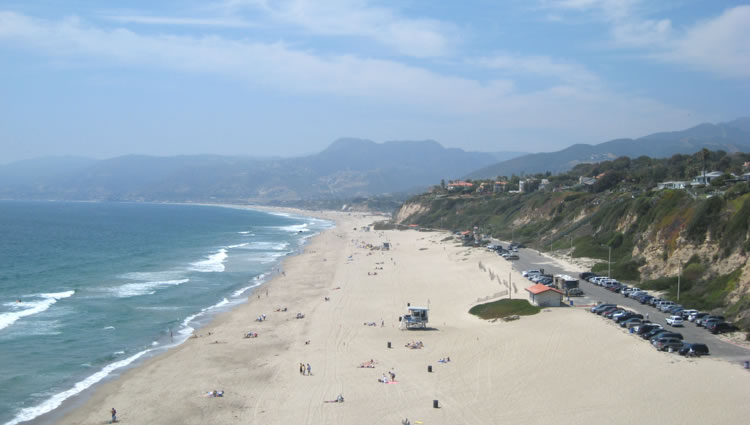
504, 308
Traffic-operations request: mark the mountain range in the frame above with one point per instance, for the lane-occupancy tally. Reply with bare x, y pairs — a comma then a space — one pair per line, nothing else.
732, 136
347, 168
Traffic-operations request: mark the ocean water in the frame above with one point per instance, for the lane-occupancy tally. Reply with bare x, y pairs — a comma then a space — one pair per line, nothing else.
87, 289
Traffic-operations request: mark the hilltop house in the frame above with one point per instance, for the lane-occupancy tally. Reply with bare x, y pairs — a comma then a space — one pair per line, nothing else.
544, 184
588, 181
499, 187
544, 296
706, 178
459, 185
672, 185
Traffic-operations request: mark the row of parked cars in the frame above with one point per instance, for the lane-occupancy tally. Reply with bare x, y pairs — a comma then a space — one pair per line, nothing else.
662, 339
511, 253
677, 314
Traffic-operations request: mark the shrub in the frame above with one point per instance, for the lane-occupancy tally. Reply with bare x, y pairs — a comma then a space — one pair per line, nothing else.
504, 308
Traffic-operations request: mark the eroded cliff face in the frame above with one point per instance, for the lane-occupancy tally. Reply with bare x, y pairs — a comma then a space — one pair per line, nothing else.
408, 210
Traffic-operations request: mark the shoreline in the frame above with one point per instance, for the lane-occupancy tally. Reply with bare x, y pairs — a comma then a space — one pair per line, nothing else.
496, 373
205, 319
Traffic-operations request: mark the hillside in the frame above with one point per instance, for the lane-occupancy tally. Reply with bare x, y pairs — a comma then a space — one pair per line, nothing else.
348, 168
733, 136
703, 229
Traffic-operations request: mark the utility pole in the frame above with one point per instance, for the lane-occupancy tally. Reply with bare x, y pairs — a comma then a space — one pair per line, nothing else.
679, 273
609, 264
571, 247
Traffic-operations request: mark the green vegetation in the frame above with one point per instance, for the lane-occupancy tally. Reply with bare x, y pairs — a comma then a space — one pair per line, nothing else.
503, 308
622, 212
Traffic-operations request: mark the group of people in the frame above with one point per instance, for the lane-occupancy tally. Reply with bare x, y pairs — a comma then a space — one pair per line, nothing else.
251, 335
444, 360
305, 369
261, 318
368, 365
414, 345
280, 309
215, 393
387, 379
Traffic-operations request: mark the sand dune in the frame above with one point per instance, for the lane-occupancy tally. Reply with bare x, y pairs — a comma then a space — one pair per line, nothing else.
562, 366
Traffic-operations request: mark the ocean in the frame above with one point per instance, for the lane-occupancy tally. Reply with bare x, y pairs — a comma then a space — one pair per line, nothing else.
87, 289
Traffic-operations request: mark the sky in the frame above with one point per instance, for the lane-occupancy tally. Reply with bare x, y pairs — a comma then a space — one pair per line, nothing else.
288, 77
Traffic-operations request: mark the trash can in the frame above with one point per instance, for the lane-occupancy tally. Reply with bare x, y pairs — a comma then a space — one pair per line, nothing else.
429, 368
435, 404
389, 344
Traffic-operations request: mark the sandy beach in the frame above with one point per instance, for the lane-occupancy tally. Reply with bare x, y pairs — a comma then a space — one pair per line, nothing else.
563, 365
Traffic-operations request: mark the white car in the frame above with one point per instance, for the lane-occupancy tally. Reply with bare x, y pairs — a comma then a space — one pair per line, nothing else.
528, 272
674, 320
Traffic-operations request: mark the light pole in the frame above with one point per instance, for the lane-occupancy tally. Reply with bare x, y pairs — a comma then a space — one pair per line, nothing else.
609, 263
571, 247
679, 273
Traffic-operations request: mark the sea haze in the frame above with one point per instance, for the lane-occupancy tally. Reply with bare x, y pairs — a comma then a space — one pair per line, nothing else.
88, 288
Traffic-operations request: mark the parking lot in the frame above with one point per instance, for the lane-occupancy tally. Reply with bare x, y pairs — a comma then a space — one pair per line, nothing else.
531, 259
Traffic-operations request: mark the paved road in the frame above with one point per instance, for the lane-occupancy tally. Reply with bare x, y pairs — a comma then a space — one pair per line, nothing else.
531, 259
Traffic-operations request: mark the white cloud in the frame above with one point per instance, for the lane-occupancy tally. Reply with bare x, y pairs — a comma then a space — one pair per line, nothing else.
418, 37
578, 101
566, 72
165, 20
720, 45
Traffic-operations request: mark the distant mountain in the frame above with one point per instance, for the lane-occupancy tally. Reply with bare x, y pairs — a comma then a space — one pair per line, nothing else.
731, 136
347, 168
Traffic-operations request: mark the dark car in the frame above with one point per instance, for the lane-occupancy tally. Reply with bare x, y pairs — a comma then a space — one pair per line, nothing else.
644, 329
702, 321
720, 327
668, 335
644, 299
596, 308
628, 317
606, 310
653, 333
608, 314
697, 316
693, 350
667, 343
586, 275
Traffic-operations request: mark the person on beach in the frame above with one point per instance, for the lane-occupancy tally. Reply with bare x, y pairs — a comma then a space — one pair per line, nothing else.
309, 370
301, 369
114, 415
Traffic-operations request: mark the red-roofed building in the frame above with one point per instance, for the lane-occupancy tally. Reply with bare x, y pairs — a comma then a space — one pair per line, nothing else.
544, 296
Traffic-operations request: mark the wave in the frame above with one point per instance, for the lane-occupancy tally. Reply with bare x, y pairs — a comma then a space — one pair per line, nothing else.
187, 329
56, 400
257, 281
295, 228
246, 233
239, 245
32, 307
145, 288
269, 246
108, 328
214, 262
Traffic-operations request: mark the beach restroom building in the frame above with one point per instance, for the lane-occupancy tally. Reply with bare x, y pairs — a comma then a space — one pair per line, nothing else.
544, 296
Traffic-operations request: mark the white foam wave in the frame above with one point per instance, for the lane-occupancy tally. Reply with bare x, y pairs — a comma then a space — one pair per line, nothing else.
56, 400
214, 262
257, 281
269, 246
295, 228
246, 233
187, 329
32, 307
145, 288
239, 245
118, 353
108, 328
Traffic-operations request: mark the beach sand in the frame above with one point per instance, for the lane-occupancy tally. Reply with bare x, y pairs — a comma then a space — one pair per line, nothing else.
562, 366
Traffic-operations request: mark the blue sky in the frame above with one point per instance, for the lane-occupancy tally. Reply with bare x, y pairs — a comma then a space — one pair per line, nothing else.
263, 77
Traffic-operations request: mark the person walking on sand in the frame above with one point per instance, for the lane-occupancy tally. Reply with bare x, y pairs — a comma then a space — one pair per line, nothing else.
309, 370
301, 368
114, 415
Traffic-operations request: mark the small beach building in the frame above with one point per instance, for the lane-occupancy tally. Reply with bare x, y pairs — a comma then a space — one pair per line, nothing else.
544, 296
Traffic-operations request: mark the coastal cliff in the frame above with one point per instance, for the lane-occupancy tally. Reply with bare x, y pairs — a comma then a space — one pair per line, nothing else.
654, 235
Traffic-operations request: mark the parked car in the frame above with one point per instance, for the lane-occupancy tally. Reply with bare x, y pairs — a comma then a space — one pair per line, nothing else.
653, 333
693, 350
686, 313
632, 322
674, 320
526, 273
606, 310
575, 292
646, 328
720, 327
668, 334
587, 275
695, 316
511, 257
663, 344
702, 321
609, 313
596, 308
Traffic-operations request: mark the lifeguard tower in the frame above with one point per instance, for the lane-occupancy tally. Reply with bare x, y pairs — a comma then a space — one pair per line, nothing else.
417, 318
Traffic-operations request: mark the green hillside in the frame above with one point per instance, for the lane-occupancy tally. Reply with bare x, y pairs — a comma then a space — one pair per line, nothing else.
650, 232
